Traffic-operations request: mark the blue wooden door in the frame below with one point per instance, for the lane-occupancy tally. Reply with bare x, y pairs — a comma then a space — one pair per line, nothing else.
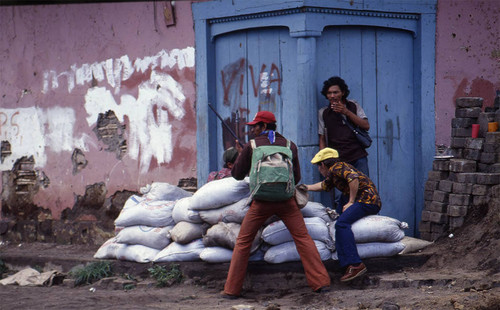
377, 65
250, 77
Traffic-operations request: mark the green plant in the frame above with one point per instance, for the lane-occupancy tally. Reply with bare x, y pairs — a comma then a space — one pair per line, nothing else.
166, 276
3, 268
92, 272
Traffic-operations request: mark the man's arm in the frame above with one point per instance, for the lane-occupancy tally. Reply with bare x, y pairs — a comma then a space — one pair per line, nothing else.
322, 142
353, 191
315, 187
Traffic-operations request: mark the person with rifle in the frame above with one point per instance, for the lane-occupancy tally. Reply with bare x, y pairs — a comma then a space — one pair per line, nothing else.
229, 158
270, 199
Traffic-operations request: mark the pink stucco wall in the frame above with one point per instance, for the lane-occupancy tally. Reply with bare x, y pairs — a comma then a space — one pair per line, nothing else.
62, 65
467, 57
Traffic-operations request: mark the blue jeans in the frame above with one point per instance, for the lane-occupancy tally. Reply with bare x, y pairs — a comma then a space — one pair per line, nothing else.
339, 200
344, 238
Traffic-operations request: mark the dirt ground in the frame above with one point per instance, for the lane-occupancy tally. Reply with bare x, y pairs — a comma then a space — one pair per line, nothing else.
461, 272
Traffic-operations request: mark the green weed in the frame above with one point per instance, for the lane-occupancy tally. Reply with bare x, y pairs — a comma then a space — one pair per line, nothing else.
166, 276
92, 272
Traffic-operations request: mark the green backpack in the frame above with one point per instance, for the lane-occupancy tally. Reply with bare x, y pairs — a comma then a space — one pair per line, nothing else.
271, 174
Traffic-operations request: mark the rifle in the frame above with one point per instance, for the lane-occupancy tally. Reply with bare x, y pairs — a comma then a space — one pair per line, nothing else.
226, 125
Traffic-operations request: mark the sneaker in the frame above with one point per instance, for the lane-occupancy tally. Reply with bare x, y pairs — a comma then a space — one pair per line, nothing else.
322, 290
353, 272
228, 296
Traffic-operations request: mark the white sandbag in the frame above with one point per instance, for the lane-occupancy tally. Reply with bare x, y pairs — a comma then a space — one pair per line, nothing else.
287, 252
176, 252
413, 244
233, 213
147, 212
316, 209
182, 213
132, 201
109, 249
137, 253
216, 254
277, 233
134, 253
163, 191
153, 237
225, 234
376, 228
185, 232
219, 193
376, 249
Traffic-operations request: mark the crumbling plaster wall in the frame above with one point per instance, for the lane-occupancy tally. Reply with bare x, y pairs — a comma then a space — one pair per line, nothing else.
467, 57
94, 96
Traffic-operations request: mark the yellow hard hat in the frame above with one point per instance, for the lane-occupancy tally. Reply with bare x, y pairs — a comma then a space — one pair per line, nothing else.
325, 154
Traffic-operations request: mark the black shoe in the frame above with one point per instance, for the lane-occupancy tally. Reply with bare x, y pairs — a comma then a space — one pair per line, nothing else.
322, 290
228, 296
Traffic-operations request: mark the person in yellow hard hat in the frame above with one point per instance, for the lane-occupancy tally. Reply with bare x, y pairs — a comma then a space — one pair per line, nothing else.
362, 200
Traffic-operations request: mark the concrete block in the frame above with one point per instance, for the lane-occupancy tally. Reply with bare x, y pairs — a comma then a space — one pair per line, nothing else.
445, 186
471, 154
438, 217
489, 158
438, 207
463, 177
491, 148
461, 132
493, 138
459, 199
424, 227
474, 143
462, 188
441, 165
440, 196
488, 178
495, 191
495, 168
468, 112
426, 215
458, 142
484, 168
480, 190
439, 228
437, 175
431, 185
457, 210
462, 165
428, 195
462, 122
424, 235
469, 102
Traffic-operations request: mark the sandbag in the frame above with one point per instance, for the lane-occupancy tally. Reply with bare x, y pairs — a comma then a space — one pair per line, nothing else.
413, 244
182, 213
146, 212
316, 209
135, 253
376, 228
225, 234
219, 193
276, 233
176, 252
185, 232
163, 191
216, 254
376, 249
287, 252
153, 237
233, 213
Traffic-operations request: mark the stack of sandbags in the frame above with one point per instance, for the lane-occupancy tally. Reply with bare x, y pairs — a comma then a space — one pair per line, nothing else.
143, 226
207, 221
376, 236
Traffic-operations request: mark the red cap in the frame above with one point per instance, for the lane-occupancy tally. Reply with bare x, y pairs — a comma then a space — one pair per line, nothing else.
263, 116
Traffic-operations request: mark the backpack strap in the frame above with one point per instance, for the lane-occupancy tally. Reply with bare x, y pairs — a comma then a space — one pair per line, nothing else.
252, 143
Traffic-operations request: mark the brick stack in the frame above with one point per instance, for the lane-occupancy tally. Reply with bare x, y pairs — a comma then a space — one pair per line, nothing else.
458, 184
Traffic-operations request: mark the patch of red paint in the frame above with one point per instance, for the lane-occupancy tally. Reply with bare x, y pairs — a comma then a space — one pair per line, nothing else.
478, 88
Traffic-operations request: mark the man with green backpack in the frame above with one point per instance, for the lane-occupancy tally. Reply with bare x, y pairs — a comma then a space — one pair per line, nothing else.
272, 163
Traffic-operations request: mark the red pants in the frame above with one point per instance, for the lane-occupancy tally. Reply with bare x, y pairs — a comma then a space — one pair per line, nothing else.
289, 212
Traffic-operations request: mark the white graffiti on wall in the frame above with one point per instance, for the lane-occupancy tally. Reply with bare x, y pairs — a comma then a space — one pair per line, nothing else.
148, 136
32, 131
114, 71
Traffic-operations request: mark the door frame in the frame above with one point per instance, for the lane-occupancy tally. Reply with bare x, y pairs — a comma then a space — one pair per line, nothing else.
306, 20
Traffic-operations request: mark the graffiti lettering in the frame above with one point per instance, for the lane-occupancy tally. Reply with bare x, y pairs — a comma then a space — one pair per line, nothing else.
114, 71
264, 82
